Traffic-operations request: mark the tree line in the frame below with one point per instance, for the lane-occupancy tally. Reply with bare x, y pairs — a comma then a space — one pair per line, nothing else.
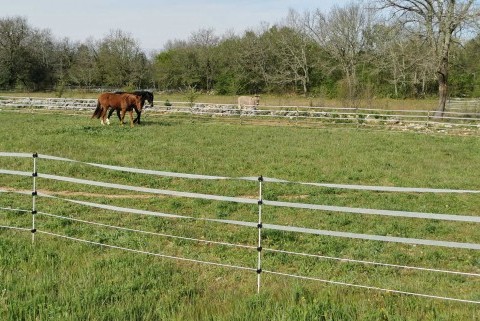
398, 49
32, 59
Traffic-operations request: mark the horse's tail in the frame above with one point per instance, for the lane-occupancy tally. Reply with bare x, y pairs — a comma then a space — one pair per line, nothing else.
98, 111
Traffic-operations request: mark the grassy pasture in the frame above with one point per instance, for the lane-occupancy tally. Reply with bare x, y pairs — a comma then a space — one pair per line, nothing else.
58, 279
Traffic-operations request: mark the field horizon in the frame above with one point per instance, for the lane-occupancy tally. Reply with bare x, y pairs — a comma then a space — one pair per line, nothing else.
427, 104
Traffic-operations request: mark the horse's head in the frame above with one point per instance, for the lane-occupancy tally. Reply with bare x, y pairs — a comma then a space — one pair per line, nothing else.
144, 96
149, 97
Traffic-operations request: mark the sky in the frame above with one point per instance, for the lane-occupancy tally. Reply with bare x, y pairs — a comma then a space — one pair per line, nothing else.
152, 23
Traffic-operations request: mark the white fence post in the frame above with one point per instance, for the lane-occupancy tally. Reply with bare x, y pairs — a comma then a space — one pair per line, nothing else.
34, 195
241, 119
259, 227
297, 114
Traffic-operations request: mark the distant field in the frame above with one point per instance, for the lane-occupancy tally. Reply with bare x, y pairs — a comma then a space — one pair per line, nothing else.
271, 100
57, 279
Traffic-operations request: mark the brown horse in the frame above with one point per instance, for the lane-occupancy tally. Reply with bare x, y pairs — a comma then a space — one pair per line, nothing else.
121, 102
144, 95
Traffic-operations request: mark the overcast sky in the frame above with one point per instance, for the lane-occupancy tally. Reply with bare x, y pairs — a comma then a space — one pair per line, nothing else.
153, 22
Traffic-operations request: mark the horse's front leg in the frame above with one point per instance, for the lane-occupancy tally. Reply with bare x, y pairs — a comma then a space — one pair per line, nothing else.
110, 112
122, 116
118, 114
131, 118
137, 119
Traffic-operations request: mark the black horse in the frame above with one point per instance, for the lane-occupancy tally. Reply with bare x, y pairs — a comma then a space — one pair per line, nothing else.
144, 95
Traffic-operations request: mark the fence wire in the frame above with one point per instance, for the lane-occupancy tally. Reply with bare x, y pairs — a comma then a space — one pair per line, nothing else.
258, 225
230, 266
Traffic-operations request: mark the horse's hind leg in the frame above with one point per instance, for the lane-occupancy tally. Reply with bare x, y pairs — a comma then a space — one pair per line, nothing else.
103, 116
102, 121
107, 119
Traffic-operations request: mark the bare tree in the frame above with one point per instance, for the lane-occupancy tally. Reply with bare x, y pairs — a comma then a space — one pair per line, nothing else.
295, 49
342, 34
287, 54
438, 22
400, 59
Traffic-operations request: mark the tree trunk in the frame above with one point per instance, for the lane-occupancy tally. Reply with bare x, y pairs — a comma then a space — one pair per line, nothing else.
442, 88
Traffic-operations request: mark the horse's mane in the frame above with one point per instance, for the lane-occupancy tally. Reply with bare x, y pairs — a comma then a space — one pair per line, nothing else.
148, 95
144, 94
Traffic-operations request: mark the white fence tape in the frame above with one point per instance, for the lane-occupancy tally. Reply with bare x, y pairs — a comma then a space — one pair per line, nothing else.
352, 210
18, 173
367, 237
366, 211
216, 242
149, 190
266, 179
393, 239
445, 217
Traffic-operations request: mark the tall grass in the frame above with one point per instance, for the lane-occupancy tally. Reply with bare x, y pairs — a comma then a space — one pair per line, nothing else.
58, 279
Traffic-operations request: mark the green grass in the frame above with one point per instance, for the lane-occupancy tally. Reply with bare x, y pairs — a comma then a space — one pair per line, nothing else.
58, 279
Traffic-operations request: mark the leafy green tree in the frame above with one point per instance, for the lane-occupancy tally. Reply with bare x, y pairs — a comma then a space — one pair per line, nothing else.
254, 63
14, 33
40, 61
465, 72
177, 67
203, 44
120, 60
229, 79
83, 68
26, 55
